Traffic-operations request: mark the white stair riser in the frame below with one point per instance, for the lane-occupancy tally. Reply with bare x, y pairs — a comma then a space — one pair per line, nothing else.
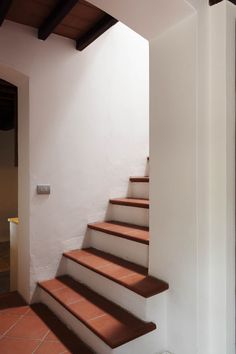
128, 214
139, 190
148, 343
113, 291
130, 250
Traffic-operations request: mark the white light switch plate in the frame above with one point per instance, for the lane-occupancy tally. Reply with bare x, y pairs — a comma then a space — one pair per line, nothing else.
43, 189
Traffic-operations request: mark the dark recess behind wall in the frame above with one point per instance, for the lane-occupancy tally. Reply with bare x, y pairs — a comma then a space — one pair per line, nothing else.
8, 111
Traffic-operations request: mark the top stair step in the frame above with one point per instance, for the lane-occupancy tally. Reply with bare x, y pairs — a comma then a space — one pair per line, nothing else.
139, 179
132, 276
114, 325
132, 202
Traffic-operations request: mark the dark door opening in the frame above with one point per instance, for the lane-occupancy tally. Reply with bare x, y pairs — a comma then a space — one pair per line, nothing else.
8, 175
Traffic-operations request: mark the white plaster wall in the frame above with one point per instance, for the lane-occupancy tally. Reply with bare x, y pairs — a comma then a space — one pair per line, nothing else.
222, 173
173, 222
192, 150
8, 182
88, 131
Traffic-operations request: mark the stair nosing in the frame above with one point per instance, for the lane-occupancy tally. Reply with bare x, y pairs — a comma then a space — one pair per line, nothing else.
116, 233
128, 202
115, 280
151, 326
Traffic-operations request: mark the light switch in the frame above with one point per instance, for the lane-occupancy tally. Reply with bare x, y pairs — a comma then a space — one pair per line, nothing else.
43, 189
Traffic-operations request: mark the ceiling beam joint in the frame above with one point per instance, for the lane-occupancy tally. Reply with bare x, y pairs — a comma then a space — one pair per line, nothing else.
56, 17
103, 25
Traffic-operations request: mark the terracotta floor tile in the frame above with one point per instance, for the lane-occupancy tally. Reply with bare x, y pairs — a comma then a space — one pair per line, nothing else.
59, 332
28, 330
51, 347
29, 327
52, 336
6, 322
17, 346
15, 311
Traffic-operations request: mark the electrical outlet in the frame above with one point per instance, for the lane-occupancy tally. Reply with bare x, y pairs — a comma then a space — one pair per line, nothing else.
43, 189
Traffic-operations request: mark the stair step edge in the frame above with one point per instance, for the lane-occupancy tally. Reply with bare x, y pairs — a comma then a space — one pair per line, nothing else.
159, 287
95, 226
142, 330
131, 202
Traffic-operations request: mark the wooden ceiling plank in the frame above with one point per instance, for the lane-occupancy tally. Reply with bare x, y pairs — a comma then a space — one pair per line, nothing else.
214, 2
4, 8
102, 26
56, 16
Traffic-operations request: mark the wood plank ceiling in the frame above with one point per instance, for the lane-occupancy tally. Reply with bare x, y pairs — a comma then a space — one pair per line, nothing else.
75, 19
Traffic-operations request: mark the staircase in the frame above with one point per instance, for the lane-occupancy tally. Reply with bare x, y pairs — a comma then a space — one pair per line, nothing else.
107, 297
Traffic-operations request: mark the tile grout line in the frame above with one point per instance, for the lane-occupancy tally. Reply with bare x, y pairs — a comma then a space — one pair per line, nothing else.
41, 341
11, 327
96, 317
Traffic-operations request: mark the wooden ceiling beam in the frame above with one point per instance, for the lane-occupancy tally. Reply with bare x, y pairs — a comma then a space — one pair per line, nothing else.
4, 7
55, 18
102, 26
214, 2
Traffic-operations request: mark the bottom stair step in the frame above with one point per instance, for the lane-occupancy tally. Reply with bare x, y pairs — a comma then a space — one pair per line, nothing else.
114, 325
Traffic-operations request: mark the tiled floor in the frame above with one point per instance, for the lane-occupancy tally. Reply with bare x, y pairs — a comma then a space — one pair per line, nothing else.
4, 267
34, 329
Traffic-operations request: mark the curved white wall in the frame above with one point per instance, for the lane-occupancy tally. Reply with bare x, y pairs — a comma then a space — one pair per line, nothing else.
148, 18
192, 149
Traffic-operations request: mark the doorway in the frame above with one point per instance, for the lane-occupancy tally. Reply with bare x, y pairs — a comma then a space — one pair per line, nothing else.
8, 175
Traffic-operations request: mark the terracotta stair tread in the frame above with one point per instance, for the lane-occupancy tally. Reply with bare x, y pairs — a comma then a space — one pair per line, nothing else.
128, 231
114, 325
133, 202
139, 179
132, 276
